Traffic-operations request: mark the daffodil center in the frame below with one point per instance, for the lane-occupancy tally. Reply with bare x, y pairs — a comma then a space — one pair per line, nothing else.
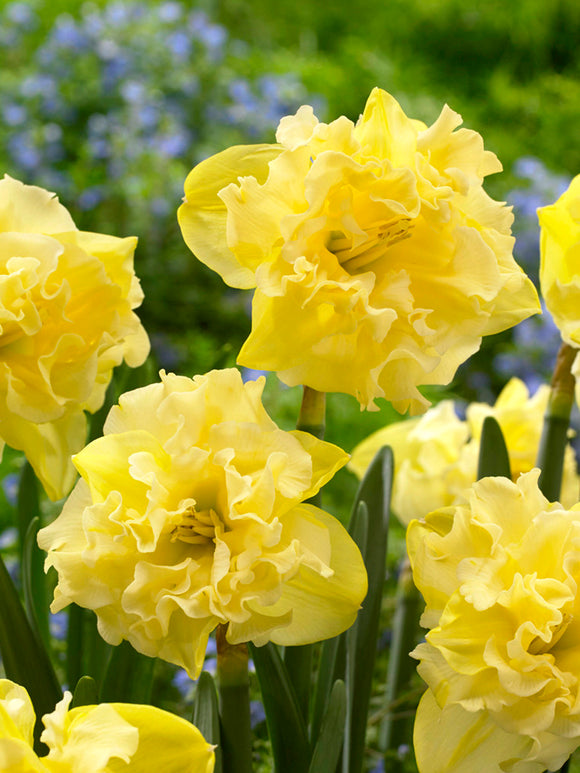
538, 646
197, 527
379, 239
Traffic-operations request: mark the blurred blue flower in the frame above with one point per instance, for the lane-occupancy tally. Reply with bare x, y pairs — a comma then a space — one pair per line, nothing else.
58, 623
180, 44
20, 13
39, 84
23, 152
67, 34
10, 485
173, 145
257, 713
90, 197
13, 114
9, 538
249, 374
132, 91
170, 12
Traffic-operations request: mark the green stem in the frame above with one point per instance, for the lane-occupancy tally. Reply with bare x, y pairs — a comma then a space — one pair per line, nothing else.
557, 419
234, 693
298, 660
401, 665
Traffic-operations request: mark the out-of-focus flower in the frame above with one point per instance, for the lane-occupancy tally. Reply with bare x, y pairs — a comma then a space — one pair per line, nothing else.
500, 580
436, 455
190, 514
98, 739
66, 320
379, 262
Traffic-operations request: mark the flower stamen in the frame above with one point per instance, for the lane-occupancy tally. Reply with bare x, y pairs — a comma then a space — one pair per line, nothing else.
196, 527
380, 238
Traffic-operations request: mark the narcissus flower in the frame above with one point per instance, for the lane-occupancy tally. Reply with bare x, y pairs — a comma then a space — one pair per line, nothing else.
379, 262
500, 577
436, 455
560, 261
66, 320
190, 513
107, 738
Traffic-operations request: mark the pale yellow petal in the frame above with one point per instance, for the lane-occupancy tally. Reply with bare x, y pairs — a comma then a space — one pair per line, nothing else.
454, 740
166, 743
202, 217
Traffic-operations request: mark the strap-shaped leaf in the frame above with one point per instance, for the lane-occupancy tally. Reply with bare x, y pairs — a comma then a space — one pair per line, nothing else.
206, 715
34, 583
493, 454
25, 659
129, 676
328, 746
86, 693
286, 725
375, 492
87, 652
404, 635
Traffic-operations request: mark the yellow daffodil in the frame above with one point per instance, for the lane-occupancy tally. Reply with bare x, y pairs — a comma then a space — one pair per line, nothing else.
190, 513
108, 738
500, 577
379, 262
560, 261
560, 266
66, 320
436, 455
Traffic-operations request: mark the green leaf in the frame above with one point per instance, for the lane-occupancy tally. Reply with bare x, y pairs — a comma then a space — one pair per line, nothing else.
34, 583
27, 503
331, 667
328, 746
375, 492
25, 659
86, 693
206, 716
87, 652
404, 635
493, 454
286, 725
129, 676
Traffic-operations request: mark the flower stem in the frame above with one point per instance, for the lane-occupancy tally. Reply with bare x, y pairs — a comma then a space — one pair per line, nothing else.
234, 693
298, 660
401, 665
556, 421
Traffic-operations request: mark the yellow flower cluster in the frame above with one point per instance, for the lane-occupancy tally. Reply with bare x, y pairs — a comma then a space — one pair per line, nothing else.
436, 455
108, 738
190, 513
379, 262
500, 577
66, 320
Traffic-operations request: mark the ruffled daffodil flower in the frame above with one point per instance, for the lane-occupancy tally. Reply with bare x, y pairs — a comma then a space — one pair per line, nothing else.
436, 454
190, 513
499, 576
108, 738
66, 320
377, 258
